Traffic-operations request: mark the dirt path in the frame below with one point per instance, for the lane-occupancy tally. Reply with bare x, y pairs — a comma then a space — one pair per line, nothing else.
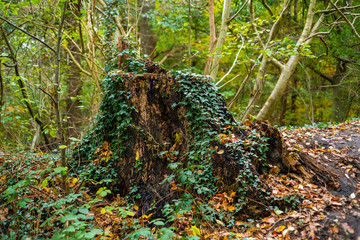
334, 213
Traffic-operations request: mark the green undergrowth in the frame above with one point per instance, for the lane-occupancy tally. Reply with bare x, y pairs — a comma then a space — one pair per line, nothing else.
35, 205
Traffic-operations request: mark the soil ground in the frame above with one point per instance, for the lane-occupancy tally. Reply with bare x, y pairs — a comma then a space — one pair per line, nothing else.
325, 212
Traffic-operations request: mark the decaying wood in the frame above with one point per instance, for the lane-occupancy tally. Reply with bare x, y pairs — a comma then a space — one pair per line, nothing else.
159, 126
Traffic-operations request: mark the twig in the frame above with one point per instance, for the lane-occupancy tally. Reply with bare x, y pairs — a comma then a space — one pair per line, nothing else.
22, 30
346, 20
234, 63
52, 99
237, 13
320, 33
242, 86
267, 8
333, 10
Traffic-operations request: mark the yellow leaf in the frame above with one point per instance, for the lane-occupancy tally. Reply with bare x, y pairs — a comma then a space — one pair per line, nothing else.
75, 180
280, 228
103, 211
195, 230
219, 222
147, 216
136, 207
231, 208
220, 152
278, 212
288, 46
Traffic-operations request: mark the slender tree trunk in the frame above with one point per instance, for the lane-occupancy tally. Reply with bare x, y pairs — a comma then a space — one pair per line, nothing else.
259, 85
221, 39
283, 108
148, 36
24, 92
73, 79
212, 37
293, 102
59, 121
260, 77
340, 96
296, 10
1, 89
290, 66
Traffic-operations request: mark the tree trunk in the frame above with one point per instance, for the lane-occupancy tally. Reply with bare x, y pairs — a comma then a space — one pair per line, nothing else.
290, 66
212, 36
73, 78
148, 37
340, 96
163, 136
221, 39
283, 108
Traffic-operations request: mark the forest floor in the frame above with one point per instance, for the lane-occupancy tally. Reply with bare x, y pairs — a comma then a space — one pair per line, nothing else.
324, 212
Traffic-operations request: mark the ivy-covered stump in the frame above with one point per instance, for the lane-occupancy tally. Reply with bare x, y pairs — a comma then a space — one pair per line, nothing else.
163, 136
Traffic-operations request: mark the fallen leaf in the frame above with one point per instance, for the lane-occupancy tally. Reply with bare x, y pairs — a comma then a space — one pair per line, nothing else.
280, 228
195, 230
220, 152
278, 212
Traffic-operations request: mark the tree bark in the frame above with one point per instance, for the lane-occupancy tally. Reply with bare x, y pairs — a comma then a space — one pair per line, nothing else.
212, 36
340, 95
73, 78
148, 36
221, 39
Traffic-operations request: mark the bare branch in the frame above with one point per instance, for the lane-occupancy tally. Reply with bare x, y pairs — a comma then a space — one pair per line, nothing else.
52, 99
331, 80
326, 46
267, 8
346, 20
234, 63
278, 64
246, 79
318, 34
76, 62
237, 13
30, 35
334, 10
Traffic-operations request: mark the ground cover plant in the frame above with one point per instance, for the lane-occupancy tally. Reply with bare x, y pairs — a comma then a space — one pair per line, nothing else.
33, 205
100, 141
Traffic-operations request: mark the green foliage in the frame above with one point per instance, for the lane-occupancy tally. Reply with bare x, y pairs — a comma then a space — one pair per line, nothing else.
45, 216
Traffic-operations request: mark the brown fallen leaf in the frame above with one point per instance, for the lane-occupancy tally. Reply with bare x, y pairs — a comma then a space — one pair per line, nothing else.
347, 228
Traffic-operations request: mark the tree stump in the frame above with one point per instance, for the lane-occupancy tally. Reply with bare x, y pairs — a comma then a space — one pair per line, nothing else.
162, 135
